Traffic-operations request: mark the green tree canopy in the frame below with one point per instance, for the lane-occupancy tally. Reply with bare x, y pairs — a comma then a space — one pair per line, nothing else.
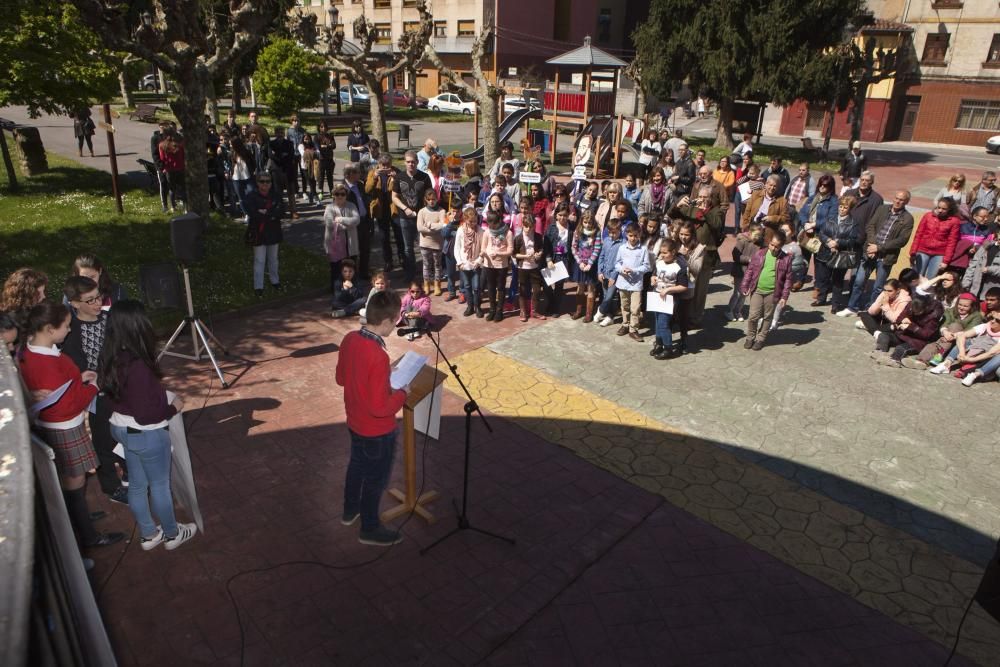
53, 63
289, 77
733, 50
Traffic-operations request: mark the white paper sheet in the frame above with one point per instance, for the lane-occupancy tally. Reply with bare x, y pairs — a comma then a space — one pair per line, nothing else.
659, 304
51, 399
407, 369
745, 191
555, 274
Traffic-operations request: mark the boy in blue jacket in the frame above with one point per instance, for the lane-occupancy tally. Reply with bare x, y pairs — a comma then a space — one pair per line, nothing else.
607, 273
632, 264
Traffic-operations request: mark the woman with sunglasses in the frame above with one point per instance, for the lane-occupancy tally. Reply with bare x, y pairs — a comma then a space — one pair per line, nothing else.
340, 231
264, 212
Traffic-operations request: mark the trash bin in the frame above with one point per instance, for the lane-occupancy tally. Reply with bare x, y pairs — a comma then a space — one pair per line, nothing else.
404, 135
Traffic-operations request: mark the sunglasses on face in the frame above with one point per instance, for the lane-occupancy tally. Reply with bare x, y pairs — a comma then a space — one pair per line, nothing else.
339, 194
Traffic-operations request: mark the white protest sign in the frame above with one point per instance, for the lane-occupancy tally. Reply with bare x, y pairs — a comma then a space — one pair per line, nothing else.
530, 177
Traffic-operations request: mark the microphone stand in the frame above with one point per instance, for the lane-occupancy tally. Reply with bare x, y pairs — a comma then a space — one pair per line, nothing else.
470, 407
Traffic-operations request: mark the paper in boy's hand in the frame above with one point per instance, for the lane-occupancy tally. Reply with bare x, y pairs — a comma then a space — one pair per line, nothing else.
555, 274
655, 303
406, 369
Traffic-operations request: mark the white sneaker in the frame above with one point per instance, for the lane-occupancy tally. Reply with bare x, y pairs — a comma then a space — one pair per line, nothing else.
608, 321
940, 369
878, 335
859, 325
846, 312
152, 542
971, 377
185, 531
741, 319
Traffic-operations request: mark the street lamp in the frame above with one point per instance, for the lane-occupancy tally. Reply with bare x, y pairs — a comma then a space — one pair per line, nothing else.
147, 19
332, 14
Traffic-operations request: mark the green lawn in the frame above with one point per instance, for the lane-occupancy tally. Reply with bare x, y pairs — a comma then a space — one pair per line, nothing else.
57, 215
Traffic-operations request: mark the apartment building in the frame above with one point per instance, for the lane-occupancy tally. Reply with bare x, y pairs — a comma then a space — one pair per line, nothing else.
527, 31
947, 88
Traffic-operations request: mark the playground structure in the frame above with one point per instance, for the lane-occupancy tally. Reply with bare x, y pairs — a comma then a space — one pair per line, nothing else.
602, 134
506, 129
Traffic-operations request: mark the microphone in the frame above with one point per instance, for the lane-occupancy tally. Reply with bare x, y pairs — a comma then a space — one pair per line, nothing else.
420, 328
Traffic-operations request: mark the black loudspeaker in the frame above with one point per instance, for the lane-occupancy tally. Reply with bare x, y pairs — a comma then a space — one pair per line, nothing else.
186, 237
988, 594
160, 286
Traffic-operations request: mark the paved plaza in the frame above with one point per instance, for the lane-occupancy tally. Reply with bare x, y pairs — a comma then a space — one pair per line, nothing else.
794, 506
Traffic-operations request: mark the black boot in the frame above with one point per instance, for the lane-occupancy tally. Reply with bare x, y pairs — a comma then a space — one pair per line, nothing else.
498, 311
657, 348
492, 312
469, 309
479, 308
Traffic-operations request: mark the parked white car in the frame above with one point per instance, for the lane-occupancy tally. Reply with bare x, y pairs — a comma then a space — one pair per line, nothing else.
993, 144
450, 102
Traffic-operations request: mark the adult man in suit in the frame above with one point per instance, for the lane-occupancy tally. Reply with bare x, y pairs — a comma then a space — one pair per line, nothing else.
356, 195
888, 231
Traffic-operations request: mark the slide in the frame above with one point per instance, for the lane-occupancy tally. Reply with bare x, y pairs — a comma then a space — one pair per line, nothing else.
506, 130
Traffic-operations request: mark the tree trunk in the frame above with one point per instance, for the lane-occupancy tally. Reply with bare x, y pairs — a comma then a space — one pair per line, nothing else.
189, 107
162, 81
376, 111
640, 101
237, 102
859, 112
488, 121
724, 126
127, 98
831, 111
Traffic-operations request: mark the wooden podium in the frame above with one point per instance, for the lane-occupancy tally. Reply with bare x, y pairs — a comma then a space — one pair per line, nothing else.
422, 387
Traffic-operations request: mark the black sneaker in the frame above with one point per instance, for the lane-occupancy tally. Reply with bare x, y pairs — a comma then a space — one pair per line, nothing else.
120, 495
348, 518
380, 537
105, 540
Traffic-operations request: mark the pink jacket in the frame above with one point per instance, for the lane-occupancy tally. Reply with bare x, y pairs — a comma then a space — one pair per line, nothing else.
891, 311
497, 251
421, 305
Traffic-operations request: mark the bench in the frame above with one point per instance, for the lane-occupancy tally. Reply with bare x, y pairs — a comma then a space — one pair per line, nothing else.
154, 178
144, 112
807, 144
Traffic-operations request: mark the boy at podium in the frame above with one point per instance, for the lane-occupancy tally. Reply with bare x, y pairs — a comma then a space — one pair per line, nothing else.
371, 405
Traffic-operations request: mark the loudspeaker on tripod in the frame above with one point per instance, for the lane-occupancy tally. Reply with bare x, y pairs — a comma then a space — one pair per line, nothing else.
160, 286
186, 237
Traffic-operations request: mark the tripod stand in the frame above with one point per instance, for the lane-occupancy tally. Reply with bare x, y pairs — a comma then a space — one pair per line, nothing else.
470, 407
199, 332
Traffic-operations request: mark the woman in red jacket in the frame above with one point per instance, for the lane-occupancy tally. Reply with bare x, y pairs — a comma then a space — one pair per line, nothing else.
935, 239
61, 425
172, 158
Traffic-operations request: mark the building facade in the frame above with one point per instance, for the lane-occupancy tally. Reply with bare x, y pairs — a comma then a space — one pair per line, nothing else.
528, 32
948, 90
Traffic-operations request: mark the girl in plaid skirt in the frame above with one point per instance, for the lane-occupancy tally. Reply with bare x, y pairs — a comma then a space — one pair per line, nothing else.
61, 425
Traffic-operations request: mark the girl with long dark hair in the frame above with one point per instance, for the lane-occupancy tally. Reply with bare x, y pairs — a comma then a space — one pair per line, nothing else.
130, 378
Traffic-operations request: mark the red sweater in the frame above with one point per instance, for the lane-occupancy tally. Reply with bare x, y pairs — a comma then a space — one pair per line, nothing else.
363, 372
936, 236
44, 371
173, 161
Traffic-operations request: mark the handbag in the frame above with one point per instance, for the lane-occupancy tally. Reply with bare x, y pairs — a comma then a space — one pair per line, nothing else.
845, 259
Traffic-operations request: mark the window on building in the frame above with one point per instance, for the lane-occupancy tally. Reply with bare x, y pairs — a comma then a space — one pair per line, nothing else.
383, 33
979, 115
383, 4
560, 27
815, 117
336, 2
935, 48
993, 56
946, 4
466, 28
411, 26
604, 26
440, 28
409, 3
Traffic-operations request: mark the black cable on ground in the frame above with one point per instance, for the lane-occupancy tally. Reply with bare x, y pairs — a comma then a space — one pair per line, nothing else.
958, 632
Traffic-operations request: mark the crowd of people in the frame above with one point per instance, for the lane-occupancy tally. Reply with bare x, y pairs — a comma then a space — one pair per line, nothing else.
504, 245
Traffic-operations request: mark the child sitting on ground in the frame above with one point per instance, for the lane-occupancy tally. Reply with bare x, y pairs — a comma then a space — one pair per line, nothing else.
977, 351
380, 283
348, 299
415, 308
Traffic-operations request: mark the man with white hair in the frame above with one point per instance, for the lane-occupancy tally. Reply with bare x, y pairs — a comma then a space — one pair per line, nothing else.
855, 163
425, 153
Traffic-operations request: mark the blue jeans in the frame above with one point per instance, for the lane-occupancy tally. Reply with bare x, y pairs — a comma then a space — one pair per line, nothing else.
512, 290
663, 333
989, 367
927, 265
860, 297
470, 286
148, 457
449, 271
409, 229
607, 303
262, 254
368, 475
241, 189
